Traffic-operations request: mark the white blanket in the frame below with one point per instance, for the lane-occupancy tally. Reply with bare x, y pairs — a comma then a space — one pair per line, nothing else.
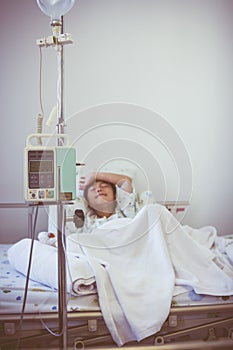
136, 266
80, 278
196, 258
136, 280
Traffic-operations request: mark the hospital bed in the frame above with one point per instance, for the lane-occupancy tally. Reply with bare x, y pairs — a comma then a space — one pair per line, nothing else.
194, 321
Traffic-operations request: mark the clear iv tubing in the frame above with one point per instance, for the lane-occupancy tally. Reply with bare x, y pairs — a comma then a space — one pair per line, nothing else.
39, 128
41, 115
60, 90
59, 48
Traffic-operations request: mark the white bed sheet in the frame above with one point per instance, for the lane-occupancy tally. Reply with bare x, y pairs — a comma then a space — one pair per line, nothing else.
40, 298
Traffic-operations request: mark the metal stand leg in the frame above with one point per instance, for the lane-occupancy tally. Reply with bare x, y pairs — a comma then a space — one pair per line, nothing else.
62, 289
30, 220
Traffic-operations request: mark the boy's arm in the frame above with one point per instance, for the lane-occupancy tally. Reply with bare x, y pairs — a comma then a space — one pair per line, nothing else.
122, 181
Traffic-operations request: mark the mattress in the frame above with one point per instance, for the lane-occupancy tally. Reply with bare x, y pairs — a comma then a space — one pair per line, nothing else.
41, 298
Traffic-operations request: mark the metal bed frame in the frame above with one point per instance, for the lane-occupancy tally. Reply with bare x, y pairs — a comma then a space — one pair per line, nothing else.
208, 325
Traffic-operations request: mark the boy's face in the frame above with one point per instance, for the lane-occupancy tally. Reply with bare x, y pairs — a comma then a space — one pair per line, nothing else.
101, 196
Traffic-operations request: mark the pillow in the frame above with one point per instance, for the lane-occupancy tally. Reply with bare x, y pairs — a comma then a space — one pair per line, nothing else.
145, 197
119, 168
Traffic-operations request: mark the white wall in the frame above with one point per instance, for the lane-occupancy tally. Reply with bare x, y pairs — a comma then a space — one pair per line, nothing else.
164, 67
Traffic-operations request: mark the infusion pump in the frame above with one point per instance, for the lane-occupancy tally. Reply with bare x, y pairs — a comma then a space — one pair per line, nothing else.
50, 173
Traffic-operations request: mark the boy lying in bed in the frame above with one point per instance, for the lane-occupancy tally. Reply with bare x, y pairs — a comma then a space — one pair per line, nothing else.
108, 196
111, 196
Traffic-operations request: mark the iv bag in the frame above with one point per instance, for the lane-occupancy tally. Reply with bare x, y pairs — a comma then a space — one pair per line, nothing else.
55, 8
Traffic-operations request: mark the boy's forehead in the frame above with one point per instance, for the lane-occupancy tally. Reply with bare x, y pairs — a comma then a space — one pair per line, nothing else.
94, 183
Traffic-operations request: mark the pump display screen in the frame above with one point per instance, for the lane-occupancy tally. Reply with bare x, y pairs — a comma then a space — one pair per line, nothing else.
41, 170
40, 166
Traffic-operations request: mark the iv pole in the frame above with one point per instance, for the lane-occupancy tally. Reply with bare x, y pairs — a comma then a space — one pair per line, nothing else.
56, 10
58, 40
62, 289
